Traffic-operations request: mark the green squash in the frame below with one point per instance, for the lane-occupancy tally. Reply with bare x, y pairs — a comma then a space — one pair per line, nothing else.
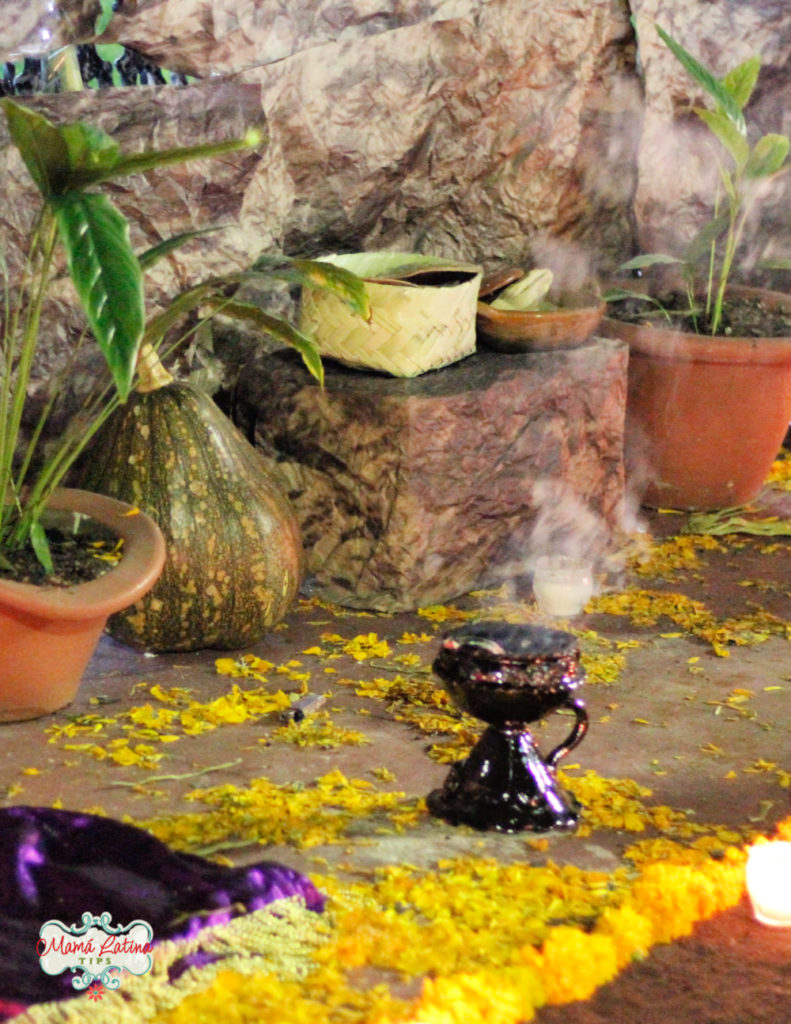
235, 559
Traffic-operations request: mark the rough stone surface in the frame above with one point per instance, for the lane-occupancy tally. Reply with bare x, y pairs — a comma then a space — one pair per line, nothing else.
479, 131
410, 492
35, 26
482, 131
488, 132
203, 37
560, 128
487, 137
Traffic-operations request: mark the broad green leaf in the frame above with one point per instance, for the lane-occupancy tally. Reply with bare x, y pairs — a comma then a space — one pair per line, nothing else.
768, 156
319, 275
325, 276
139, 162
40, 145
702, 242
158, 326
740, 82
739, 519
153, 255
648, 260
40, 545
107, 278
208, 295
338, 281
89, 148
726, 133
279, 329
271, 264
620, 294
713, 86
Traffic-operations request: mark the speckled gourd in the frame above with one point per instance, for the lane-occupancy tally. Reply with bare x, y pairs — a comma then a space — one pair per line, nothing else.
234, 551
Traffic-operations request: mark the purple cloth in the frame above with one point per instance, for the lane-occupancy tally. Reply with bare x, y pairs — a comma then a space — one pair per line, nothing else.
62, 864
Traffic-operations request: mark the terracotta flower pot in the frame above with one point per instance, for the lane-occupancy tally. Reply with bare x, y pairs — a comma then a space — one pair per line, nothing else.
705, 416
48, 634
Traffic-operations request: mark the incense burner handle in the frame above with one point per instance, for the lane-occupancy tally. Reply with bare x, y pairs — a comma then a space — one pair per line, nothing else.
575, 736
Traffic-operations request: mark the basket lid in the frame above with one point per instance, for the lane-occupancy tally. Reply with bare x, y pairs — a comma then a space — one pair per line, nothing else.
409, 268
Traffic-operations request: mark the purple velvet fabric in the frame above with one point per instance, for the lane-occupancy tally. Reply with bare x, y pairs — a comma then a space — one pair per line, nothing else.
60, 864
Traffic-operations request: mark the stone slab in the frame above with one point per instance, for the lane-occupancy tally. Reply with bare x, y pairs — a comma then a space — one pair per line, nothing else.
411, 492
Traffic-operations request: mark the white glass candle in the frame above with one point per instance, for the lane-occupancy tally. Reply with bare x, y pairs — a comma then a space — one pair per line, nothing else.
562, 585
769, 883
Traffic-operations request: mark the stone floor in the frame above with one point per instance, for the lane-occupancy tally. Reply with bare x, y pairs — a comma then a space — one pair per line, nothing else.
707, 733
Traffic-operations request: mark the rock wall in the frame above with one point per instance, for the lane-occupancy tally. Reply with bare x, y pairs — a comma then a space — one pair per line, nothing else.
494, 131
466, 129
544, 146
482, 131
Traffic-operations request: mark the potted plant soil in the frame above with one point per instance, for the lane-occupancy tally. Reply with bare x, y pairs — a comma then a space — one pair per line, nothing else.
39, 671
709, 380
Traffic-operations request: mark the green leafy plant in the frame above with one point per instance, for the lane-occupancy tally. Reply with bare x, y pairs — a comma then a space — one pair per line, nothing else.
744, 169
67, 163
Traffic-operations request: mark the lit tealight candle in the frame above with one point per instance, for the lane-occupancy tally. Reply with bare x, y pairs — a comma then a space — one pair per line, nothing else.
769, 883
562, 585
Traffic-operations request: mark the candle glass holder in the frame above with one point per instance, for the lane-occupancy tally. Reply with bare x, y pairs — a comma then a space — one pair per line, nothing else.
508, 676
562, 585
768, 877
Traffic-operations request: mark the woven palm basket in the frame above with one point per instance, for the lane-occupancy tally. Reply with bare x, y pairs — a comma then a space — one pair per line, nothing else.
422, 313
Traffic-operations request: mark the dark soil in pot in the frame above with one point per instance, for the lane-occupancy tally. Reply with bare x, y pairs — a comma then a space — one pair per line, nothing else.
742, 317
76, 558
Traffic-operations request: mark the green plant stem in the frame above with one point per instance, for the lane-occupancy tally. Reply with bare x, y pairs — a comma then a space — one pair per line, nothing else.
55, 390
11, 349
52, 473
712, 261
732, 242
5, 384
692, 303
734, 233
65, 162
17, 379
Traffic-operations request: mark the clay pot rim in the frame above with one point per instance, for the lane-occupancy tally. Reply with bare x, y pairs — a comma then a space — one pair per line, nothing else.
684, 346
529, 317
537, 330
141, 565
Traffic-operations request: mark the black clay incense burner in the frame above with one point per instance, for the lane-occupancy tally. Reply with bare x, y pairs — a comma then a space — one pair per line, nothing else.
508, 676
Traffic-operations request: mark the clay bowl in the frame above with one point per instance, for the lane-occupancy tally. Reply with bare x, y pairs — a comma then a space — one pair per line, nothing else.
538, 331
